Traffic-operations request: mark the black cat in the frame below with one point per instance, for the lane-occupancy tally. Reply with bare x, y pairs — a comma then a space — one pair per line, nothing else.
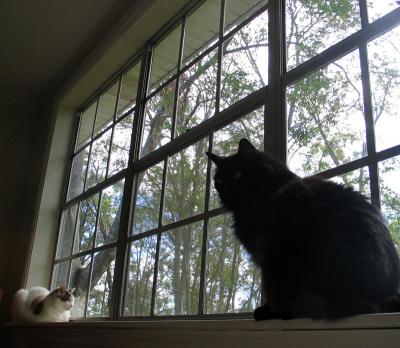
323, 249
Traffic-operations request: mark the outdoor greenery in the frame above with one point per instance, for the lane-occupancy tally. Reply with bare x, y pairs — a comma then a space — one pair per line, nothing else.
326, 128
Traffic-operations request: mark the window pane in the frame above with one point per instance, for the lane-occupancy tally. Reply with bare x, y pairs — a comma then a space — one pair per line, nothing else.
226, 141
106, 108
232, 279
237, 11
86, 125
66, 234
86, 225
60, 275
178, 280
109, 217
357, 179
120, 145
389, 173
202, 29
98, 160
158, 120
79, 279
140, 277
165, 58
197, 92
378, 8
129, 86
186, 181
325, 118
245, 61
384, 67
312, 26
78, 173
99, 301
147, 205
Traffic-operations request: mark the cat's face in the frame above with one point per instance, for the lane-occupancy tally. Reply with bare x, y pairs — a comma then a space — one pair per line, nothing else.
237, 176
65, 297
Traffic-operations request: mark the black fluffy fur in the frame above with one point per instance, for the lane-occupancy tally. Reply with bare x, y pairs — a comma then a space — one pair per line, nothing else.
323, 249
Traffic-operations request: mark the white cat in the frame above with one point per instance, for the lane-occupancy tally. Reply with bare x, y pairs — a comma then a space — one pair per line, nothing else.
40, 305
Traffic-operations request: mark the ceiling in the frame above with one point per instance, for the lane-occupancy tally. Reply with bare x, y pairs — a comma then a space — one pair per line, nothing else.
41, 40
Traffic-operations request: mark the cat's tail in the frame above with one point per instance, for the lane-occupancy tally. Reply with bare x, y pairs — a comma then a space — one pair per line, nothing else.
18, 306
390, 305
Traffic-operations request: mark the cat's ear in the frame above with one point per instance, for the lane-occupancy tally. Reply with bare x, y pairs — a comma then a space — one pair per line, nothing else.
73, 291
216, 159
246, 148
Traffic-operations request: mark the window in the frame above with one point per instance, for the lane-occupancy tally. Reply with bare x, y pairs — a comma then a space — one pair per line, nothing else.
142, 232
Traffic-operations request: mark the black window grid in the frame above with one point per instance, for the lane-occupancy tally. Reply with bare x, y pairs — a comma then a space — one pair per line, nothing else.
272, 97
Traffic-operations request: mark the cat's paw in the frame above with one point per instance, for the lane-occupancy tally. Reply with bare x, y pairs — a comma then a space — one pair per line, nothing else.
264, 312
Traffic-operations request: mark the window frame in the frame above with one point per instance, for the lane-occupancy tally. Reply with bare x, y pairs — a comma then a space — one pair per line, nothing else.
271, 97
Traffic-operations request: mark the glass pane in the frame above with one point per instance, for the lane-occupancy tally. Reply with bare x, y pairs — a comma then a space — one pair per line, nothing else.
158, 120
202, 29
378, 8
78, 173
357, 179
186, 181
106, 108
66, 234
129, 86
109, 217
389, 173
147, 204
312, 26
86, 125
226, 141
325, 118
99, 300
139, 281
197, 93
232, 280
384, 67
236, 11
98, 160
178, 282
60, 275
79, 279
120, 145
165, 58
86, 225
245, 61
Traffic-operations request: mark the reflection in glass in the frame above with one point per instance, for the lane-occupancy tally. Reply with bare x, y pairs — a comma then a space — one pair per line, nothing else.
197, 93
140, 276
202, 28
129, 86
178, 280
165, 58
106, 108
147, 204
232, 280
226, 141
109, 217
312, 26
389, 173
99, 300
60, 275
66, 234
158, 120
78, 173
98, 160
79, 279
120, 145
245, 61
326, 125
86, 224
186, 180
357, 179
384, 68
86, 125
237, 11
